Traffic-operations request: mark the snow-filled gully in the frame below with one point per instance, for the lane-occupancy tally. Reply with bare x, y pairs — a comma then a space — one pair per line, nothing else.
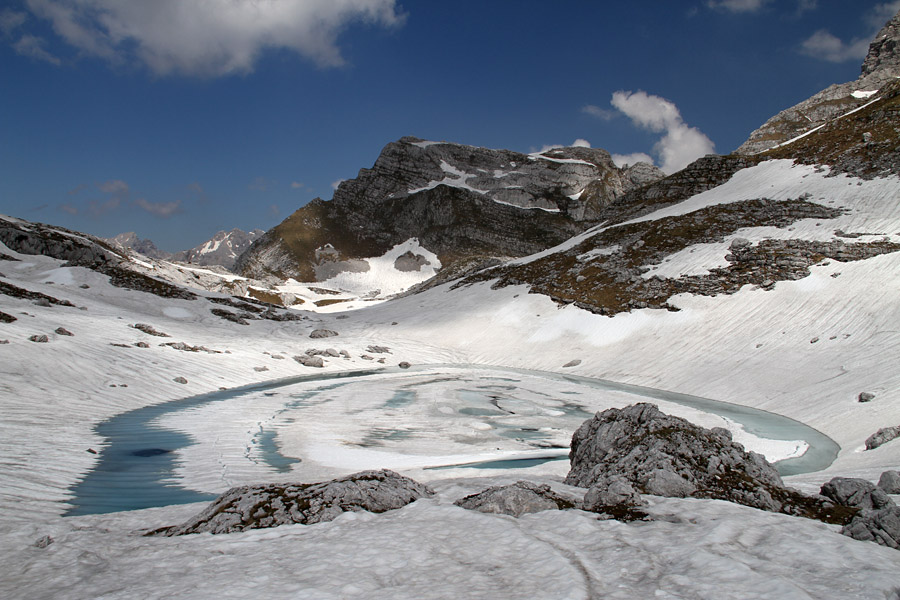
146, 463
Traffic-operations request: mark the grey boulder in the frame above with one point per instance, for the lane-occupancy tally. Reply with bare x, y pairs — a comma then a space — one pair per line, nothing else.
890, 482
858, 493
517, 499
882, 436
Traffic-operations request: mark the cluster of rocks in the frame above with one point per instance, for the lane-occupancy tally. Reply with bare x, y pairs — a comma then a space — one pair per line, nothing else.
14, 291
878, 517
251, 309
260, 506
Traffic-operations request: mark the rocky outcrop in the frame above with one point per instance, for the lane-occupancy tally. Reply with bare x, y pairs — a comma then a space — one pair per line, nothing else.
881, 66
878, 519
260, 506
460, 202
668, 456
517, 499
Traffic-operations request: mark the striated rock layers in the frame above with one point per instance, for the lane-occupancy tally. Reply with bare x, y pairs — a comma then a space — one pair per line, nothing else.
881, 66
460, 202
260, 506
668, 456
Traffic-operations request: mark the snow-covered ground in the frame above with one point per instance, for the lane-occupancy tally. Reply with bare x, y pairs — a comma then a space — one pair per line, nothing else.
753, 348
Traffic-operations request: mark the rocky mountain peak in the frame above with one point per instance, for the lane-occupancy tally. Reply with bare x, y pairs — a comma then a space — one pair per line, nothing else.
883, 59
130, 240
881, 66
460, 202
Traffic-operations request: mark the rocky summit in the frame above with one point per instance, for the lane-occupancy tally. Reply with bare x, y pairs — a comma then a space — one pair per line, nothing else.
463, 203
881, 66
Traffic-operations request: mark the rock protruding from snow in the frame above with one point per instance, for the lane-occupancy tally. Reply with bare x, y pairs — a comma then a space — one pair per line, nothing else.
664, 455
322, 333
882, 436
879, 526
517, 499
866, 397
308, 360
613, 495
270, 505
858, 493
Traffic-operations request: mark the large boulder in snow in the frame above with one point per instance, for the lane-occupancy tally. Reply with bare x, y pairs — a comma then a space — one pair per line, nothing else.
879, 526
517, 499
890, 482
665, 455
260, 506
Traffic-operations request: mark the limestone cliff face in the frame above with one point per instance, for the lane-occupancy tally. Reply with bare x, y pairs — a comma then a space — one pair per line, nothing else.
459, 201
881, 66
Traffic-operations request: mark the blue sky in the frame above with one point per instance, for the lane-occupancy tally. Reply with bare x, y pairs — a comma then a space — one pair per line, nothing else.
176, 119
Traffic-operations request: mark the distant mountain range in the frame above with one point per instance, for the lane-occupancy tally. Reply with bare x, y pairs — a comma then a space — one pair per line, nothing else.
222, 249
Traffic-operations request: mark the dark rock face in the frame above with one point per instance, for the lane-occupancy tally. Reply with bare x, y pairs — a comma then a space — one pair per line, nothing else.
260, 506
517, 499
882, 436
461, 202
881, 66
664, 455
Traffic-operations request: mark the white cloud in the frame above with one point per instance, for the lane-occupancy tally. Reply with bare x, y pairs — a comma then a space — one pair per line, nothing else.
805, 6
116, 187
623, 160
209, 38
737, 6
159, 209
681, 143
261, 184
296, 185
826, 46
581, 143
33, 47
335, 184
600, 113
11, 20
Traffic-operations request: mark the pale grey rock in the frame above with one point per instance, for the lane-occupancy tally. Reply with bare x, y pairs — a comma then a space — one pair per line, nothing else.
858, 493
270, 505
40, 339
866, 397
310, 361
889, 482
662, 482
882, 436
322, 333
517, 499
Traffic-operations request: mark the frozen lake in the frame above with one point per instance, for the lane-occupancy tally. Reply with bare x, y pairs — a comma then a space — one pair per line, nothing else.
437, 420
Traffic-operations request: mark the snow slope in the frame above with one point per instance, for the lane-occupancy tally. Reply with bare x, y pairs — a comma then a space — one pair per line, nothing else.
753, 348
